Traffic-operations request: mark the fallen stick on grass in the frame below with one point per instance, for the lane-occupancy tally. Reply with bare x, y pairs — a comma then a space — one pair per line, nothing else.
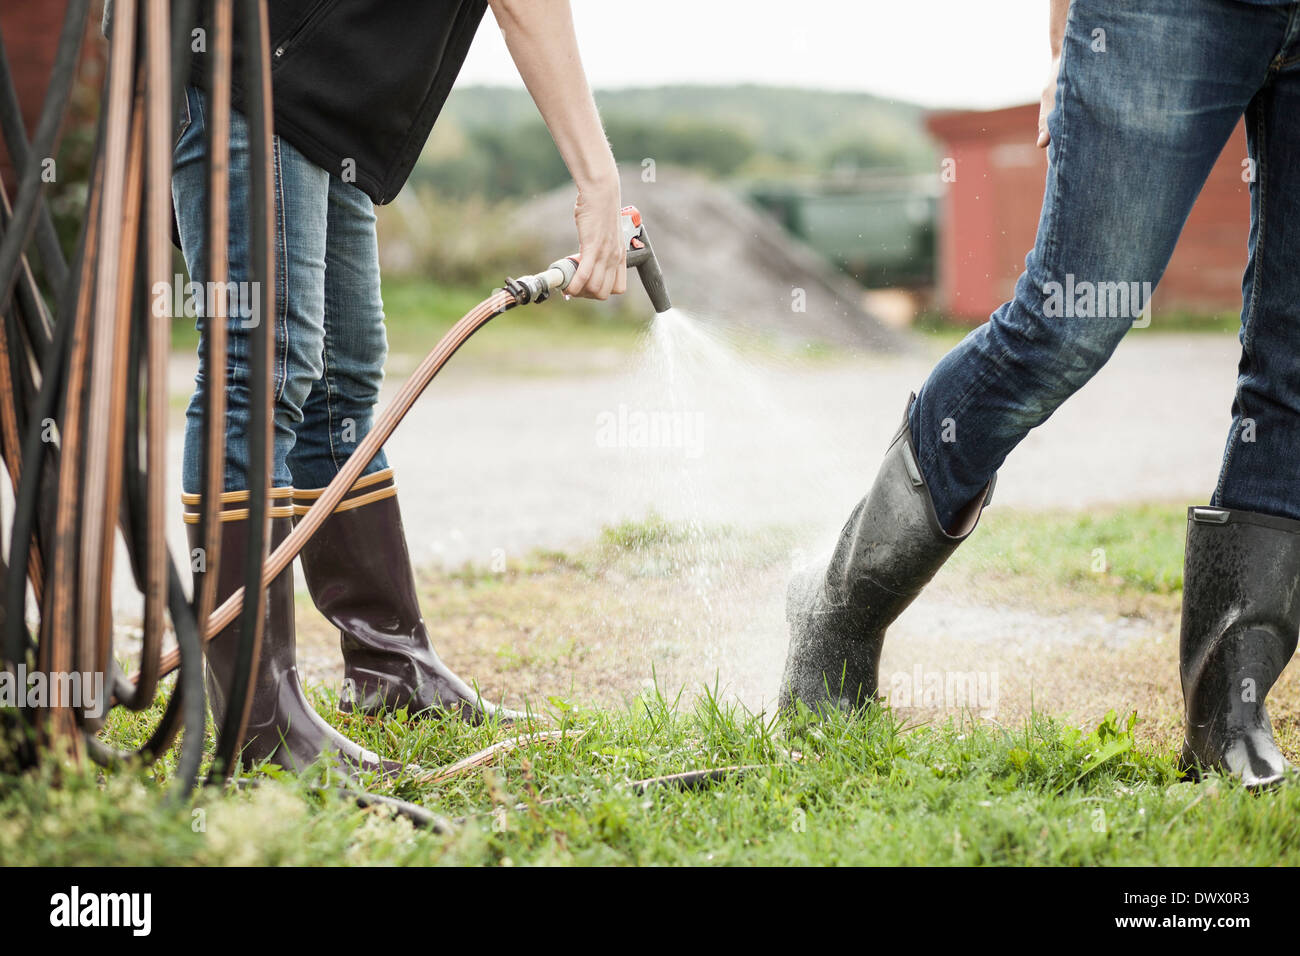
687, 780
481, 757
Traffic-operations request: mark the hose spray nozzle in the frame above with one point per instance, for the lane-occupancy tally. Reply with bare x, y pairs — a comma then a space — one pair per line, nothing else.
640, 256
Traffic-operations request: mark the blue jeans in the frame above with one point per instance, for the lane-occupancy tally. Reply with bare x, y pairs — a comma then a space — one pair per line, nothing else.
1135, 132
330, 342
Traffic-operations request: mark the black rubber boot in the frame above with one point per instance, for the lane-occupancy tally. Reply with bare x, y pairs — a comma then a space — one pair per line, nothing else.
888, 551
1241, 617
358, 570
283, 727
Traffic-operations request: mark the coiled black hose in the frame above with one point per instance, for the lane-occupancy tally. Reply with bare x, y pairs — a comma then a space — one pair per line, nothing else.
35, 406
258, 477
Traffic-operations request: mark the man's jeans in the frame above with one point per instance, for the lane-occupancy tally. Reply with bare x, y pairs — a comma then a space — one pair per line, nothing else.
330, 342
1147, 97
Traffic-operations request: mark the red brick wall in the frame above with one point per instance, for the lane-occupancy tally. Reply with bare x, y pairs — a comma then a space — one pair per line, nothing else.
989, 216
31, 36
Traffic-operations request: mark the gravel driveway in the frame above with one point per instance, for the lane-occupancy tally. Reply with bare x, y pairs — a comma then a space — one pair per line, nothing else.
517, 464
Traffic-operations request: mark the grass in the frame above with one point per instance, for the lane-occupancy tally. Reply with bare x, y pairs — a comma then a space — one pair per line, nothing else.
1078, 612
856, 790
557, 337
1114, 553
418, 312
1119, 559
946, 331
579, 334
876, 788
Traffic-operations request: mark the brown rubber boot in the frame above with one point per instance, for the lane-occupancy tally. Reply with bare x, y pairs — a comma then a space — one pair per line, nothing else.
359, 573
283, 727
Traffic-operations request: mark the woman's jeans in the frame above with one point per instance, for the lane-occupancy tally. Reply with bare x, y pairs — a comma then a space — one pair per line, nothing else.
1148, 95
330, 342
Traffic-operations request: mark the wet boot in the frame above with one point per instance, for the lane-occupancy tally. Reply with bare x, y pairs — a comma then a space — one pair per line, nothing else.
359, 573
283, 727
888, 551
1241, 617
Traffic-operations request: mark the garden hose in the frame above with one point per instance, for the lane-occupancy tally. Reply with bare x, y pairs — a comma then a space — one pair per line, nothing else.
70, 425
84, 404
515, 292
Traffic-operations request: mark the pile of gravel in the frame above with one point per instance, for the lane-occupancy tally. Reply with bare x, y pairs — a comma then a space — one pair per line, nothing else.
726, 261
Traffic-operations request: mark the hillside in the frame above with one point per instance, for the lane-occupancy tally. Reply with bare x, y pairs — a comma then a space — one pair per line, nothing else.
483, 144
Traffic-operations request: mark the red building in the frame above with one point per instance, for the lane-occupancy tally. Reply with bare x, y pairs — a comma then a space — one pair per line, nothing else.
989, 214
31, 36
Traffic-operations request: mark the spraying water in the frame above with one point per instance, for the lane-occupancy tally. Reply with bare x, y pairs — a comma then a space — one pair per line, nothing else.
719, 440
751, 463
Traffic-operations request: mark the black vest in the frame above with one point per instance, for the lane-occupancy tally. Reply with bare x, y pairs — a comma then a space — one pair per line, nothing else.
358, 84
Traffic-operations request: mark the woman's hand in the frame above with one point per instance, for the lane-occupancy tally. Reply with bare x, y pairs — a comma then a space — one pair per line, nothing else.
1057, 18
602, 268
1047, 102
544, 46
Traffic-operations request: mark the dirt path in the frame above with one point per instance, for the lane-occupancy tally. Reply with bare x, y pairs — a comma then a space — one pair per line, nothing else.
522, 466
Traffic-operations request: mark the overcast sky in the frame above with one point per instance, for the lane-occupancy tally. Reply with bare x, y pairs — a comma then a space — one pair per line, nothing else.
935, 52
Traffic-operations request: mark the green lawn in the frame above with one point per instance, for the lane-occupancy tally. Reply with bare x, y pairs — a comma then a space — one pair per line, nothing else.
945, 331
1114, 558
854, 790
844, 790
418, 312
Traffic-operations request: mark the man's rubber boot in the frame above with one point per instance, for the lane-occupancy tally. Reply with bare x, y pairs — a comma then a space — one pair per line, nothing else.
888, 551
359, 573
283, 727
1241, 617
